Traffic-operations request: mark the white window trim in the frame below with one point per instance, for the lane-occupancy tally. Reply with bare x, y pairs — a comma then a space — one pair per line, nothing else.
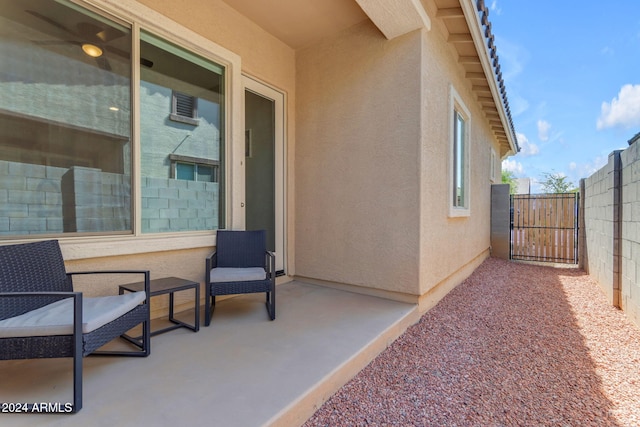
457, 105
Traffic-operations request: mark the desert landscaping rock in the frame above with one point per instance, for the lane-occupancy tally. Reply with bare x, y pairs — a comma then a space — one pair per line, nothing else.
513, 345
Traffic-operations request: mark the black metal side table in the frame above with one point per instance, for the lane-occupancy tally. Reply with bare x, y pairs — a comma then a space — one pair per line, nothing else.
170, 285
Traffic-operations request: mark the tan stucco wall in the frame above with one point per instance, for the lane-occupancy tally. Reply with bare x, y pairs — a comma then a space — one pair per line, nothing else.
262, 54
357, 160
367, 156
187, 264
373, 154
450, 244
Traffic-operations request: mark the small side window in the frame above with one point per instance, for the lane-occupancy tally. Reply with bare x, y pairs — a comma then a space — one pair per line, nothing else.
493, 174
459, 163
194, 169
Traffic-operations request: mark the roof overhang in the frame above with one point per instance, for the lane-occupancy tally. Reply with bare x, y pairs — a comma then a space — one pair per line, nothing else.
464, 23
396, 18
468, 30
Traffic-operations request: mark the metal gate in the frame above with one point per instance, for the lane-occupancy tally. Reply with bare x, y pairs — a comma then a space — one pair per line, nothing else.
544, 227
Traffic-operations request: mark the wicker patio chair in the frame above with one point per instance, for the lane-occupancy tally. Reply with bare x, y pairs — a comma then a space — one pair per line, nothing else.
240, 265
42, 317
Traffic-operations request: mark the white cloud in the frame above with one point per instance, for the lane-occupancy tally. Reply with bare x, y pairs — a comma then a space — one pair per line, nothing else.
513, 58
577, 171
526, 148
585, 170
543, 130
494, 7
513, 166
623, 111
608, 51
517, 103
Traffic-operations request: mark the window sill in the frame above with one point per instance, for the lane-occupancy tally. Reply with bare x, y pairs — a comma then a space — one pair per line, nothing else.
182, 119
459, 212
98, 247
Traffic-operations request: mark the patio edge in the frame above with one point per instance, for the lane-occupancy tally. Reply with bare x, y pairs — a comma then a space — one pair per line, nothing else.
299, 411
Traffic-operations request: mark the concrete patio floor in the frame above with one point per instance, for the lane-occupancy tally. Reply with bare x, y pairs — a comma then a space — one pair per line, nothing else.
243, 370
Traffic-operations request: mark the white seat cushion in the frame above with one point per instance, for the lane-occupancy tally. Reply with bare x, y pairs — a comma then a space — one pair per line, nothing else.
226, 274
57, 318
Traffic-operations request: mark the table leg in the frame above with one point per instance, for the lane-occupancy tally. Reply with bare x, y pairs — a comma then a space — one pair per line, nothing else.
197, 309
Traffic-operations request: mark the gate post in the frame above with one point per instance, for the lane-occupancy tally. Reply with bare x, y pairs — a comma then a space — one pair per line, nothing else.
500, 221
583, 254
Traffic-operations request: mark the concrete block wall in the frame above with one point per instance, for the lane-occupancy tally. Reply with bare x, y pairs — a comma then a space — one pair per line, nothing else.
597, 257
38, 199
94, 200
630, 251
179, 205
58, 90
30, 199
611, 224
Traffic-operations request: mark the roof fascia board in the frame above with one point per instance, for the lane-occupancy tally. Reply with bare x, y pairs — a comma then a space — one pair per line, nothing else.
477, 32
396, 18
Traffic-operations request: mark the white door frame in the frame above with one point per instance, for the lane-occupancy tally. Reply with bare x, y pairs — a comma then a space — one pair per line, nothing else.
261, 89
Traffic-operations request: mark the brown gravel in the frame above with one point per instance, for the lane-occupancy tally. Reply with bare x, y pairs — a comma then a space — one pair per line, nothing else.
513, 345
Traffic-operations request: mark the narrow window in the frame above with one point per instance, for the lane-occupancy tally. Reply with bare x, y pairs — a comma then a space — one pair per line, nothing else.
459, 189
493, 174
188, 169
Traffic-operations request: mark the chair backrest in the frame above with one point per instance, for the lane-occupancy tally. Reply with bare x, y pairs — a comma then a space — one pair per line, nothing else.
241, 249
31, 267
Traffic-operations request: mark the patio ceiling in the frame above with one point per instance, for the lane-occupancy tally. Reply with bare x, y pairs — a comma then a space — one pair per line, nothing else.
300, 22
463, 22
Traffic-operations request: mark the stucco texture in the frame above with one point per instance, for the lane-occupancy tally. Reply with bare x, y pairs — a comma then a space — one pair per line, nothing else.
186, 264
448, 244
357, 160
373, 160
262, 54
367, 143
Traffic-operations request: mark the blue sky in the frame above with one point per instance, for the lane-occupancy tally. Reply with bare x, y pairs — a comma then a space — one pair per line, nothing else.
572, 74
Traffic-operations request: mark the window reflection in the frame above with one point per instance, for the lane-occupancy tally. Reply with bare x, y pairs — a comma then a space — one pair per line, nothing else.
181, 139
65, 126
65, 131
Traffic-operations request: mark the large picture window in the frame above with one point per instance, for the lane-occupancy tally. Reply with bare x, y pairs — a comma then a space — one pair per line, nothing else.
66, 126
180, 144
65, 120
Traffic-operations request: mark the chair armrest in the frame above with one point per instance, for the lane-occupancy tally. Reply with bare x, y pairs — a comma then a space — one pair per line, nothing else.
77, 308
270, 264
40, 294
210, 263
146, 273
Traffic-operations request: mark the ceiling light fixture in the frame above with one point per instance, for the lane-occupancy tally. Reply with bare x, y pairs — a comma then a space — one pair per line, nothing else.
92, 50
